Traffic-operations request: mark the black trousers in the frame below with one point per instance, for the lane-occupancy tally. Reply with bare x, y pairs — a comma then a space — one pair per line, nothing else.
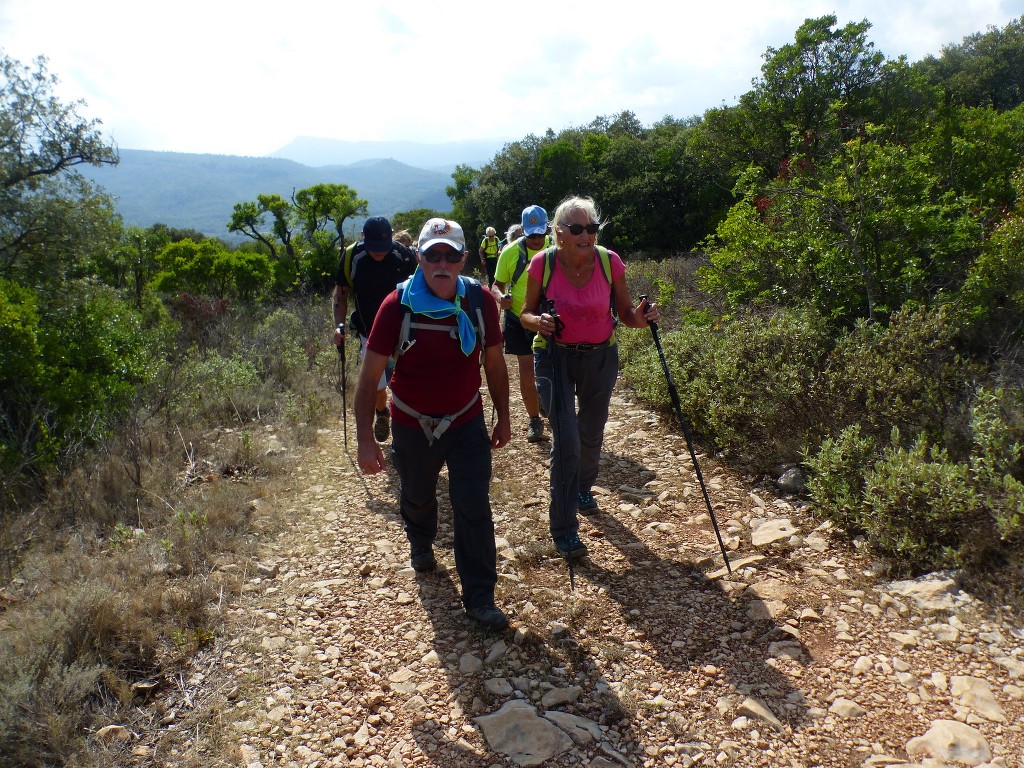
466, 450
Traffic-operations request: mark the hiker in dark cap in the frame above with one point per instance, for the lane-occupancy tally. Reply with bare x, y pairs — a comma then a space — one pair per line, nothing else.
440, 326
370, 271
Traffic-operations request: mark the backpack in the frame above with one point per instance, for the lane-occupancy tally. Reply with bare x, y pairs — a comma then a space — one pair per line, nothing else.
523, 262
474, 299
549, 267
357, 251
354, 254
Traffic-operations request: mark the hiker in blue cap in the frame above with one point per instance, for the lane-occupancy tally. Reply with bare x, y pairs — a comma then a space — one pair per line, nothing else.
369, 271
573, 296
509, 289
437, 414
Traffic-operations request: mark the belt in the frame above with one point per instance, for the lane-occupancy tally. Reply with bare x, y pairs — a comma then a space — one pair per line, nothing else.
582, 347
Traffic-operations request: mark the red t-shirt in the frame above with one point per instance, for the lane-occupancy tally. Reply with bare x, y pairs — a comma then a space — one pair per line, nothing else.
433, 377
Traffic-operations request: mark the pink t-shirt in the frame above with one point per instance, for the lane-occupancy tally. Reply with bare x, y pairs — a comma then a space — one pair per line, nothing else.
585, 311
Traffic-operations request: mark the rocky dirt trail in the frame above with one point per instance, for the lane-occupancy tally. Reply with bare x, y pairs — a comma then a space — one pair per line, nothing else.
337, 653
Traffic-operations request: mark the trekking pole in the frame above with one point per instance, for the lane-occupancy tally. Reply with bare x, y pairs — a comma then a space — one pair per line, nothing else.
556, 403
344, 405
674, 395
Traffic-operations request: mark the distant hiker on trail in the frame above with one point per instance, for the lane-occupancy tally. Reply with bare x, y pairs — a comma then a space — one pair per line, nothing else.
509, 290
514, 231
402, 236
572, 293
489, 254
370, 270
438, 417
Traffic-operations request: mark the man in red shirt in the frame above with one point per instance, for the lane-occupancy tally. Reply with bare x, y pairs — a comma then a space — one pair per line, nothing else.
437, 417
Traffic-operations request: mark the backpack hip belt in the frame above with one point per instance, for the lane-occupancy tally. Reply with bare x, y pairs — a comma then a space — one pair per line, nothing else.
433, 427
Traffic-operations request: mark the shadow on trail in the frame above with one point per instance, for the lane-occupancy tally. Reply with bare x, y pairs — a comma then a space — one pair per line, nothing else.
530, 668
734, 634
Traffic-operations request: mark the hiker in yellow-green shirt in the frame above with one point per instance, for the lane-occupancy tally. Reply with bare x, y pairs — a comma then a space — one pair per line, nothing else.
509, 290
489, 253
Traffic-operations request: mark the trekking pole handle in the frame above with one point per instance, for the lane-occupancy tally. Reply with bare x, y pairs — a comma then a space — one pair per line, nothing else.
643, 300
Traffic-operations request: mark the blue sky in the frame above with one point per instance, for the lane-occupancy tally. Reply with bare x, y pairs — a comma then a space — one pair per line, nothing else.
245, 78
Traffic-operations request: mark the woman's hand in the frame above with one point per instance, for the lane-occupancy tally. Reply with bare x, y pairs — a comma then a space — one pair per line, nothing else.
546, 324
649, 311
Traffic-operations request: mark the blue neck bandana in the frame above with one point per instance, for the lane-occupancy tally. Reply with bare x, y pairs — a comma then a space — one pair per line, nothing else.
418, 297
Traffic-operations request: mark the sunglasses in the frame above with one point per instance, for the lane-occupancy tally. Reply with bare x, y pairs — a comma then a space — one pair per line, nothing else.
592, 228
434, 257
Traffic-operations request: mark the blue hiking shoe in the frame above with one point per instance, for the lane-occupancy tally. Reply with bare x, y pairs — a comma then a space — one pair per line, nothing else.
587, 503
570, 546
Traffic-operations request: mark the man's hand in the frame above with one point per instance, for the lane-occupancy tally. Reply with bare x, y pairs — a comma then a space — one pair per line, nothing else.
339, 335
370, 457
502, 432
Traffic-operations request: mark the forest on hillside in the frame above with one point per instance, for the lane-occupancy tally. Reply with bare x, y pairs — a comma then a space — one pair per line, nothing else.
839, 257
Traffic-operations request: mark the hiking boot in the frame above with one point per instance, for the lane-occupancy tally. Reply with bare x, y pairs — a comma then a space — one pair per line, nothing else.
488, 617
536, 431
587, 503
422, 558
570, 546
382, 426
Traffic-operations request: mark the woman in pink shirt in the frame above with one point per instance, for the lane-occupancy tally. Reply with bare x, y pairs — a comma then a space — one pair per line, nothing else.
569, 305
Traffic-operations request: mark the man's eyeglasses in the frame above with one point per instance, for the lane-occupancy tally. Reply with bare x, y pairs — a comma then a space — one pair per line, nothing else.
535, 235
592, 228
434, 257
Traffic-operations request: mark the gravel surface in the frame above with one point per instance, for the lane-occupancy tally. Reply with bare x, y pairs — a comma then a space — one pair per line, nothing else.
336, 653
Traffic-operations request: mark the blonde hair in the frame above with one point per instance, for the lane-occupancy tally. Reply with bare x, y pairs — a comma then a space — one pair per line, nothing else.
576, 203
402, 236
513, 232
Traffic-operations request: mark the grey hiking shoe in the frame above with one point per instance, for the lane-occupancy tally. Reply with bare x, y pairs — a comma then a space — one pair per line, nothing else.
536, 431
381, 425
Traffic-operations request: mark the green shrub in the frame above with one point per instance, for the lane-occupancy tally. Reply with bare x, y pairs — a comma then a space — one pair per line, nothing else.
906, 374
277, 345
997, 432
919, 505
836, 483
749, 383
211, 388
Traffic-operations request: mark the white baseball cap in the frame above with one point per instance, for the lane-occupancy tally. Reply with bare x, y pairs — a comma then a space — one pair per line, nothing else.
441, 231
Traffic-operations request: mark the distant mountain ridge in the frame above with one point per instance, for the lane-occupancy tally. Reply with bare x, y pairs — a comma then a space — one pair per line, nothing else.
314, 151
197, 191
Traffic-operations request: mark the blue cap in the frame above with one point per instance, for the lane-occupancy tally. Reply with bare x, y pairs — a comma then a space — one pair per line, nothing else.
535, 220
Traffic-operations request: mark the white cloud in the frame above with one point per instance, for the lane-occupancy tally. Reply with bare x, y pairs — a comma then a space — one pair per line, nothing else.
245, 78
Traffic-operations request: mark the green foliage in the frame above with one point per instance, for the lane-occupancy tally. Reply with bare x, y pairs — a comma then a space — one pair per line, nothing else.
920, 505
859, 239
748, 383
212, 388
302, 235
837, 476
985, 70
279, 346
992, 297
209, 268
906, 374
48, 214
997, 432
